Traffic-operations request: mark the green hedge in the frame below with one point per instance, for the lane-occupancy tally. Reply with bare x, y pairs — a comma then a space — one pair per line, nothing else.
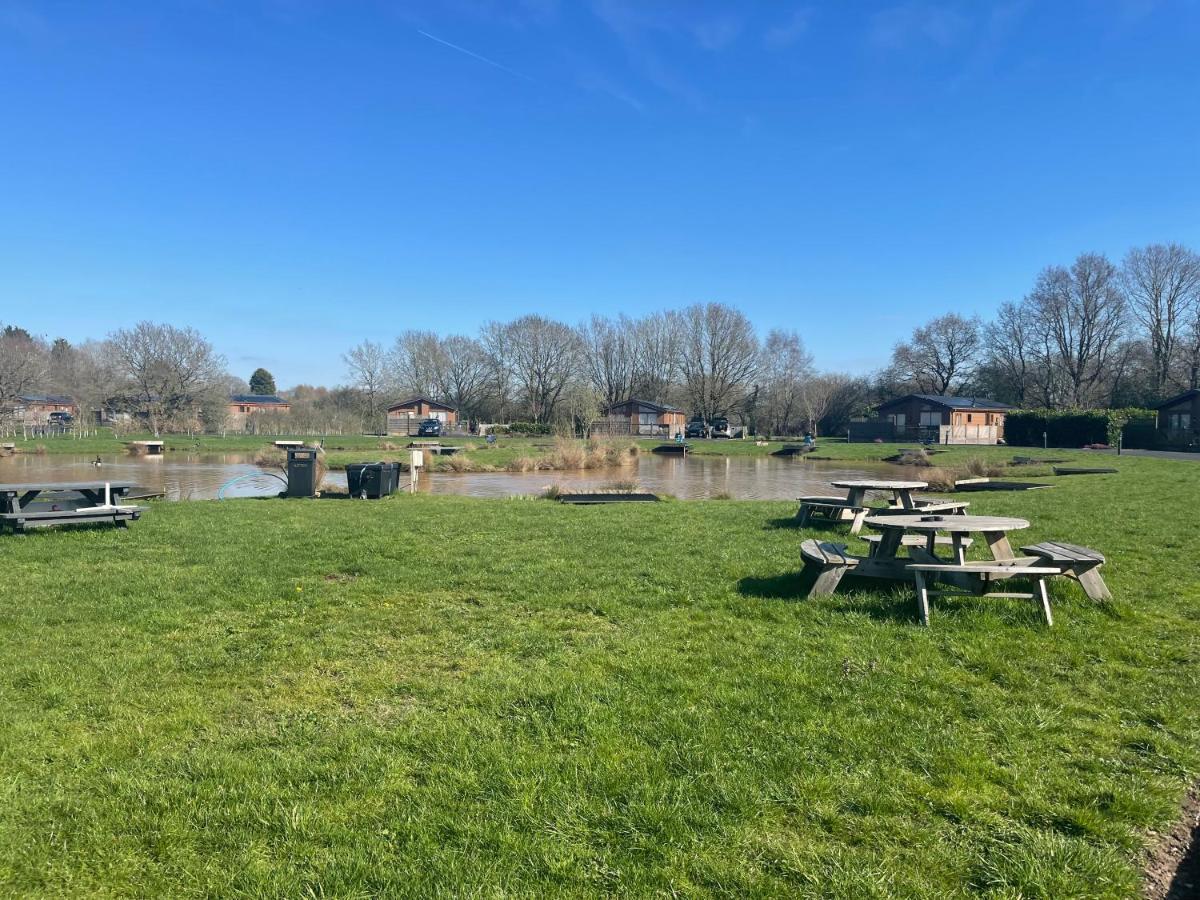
530, 428
1072, 427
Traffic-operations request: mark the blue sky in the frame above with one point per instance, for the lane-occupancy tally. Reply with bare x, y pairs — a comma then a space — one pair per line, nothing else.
291, 176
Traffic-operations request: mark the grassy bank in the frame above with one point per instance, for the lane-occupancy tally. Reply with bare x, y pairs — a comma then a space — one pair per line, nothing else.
105, 443
433, 695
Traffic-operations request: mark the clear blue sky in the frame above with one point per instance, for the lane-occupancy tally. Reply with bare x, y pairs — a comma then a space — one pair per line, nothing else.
291, 176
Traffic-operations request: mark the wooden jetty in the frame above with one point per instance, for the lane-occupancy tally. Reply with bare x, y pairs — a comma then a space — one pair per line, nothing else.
1079, 470
681, 449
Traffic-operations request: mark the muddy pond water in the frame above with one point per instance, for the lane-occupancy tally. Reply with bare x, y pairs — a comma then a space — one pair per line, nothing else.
199, 476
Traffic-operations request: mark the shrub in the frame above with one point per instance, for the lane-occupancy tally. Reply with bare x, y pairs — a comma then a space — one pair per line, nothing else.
537, 428
271, 458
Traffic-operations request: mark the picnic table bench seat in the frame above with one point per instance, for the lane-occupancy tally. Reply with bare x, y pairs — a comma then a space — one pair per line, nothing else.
119, 516
824, 565
833, 509
1081, 563
975, 578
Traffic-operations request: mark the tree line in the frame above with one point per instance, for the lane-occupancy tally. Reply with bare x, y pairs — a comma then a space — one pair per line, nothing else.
1090, 334
707, 359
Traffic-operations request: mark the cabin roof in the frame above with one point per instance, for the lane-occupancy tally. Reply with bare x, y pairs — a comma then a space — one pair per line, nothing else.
951, 402
260, 399
413, 401
657, 407
1178, 398
57, 399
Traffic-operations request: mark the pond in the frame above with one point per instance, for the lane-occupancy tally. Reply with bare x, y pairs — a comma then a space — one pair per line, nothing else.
199, 476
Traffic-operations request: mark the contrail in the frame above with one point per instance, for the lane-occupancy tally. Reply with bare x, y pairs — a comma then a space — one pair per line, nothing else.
490, 62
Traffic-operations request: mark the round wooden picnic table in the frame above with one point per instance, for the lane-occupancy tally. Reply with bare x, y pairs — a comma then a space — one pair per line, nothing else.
901, 490
993, 528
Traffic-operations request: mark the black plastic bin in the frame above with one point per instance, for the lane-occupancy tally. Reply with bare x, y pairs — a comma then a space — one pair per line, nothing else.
372, 480
301, 471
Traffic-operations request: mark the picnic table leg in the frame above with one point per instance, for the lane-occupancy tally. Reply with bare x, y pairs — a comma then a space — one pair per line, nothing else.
1093, 584
1045, 599
998, 542
859, 517
922, 598
960, 552
889, 544
904, 498
804, 513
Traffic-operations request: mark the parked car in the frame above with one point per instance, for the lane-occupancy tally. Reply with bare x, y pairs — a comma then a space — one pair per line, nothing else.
695, 429
720, 428
59, 417
430, 428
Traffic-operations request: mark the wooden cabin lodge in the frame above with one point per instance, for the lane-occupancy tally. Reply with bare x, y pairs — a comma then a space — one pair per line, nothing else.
641, 418
405, 416
935, 418
1178, 419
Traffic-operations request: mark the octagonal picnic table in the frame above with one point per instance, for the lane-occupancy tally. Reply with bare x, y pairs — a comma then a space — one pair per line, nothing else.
902, 491
971, 577
994, 530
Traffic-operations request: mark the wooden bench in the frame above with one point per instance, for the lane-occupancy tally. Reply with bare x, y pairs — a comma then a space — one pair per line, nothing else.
974, 578
824, 565
119, 516
832, 509
917, 540
1073, 561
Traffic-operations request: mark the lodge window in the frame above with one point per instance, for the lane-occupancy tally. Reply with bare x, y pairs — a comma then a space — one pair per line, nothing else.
1180, 421
897, 419
930, 418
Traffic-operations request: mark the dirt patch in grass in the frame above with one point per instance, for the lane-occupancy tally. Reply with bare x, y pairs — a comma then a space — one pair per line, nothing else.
1173, 866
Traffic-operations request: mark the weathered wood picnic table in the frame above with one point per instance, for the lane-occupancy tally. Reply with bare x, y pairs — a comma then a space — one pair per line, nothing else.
973, 577
994, 530
853, 506
65, 503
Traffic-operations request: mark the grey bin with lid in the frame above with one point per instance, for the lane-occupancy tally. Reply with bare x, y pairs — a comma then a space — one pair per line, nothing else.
372, 480
302, 471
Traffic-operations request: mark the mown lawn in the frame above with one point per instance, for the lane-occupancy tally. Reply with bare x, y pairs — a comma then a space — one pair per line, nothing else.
434, 696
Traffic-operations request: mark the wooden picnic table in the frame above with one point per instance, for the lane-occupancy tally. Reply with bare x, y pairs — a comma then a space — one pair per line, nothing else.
15, 497
853, 506
993, 528
65, 503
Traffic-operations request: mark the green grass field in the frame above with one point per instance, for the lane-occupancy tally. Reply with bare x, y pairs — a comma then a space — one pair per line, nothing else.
433, 696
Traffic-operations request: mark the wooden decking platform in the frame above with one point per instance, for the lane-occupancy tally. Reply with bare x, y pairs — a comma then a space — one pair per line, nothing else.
1081, 470
672, 448
587, 498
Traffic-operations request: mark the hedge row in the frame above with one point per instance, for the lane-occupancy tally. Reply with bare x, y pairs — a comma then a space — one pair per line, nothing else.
523, 428
1073, 427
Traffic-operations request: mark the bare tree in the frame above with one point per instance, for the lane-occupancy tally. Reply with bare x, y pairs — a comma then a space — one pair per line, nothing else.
496, 341
656, 358
940, 356
820, 394
23, 361
543, 356
367, 365
1191, 354
1162, 282
171, 373
415, 362
610, 357
1081, 312
785, 367
463, 374
718, 355
1011, 351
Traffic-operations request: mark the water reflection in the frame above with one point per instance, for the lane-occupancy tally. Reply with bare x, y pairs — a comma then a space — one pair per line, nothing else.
199, 476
